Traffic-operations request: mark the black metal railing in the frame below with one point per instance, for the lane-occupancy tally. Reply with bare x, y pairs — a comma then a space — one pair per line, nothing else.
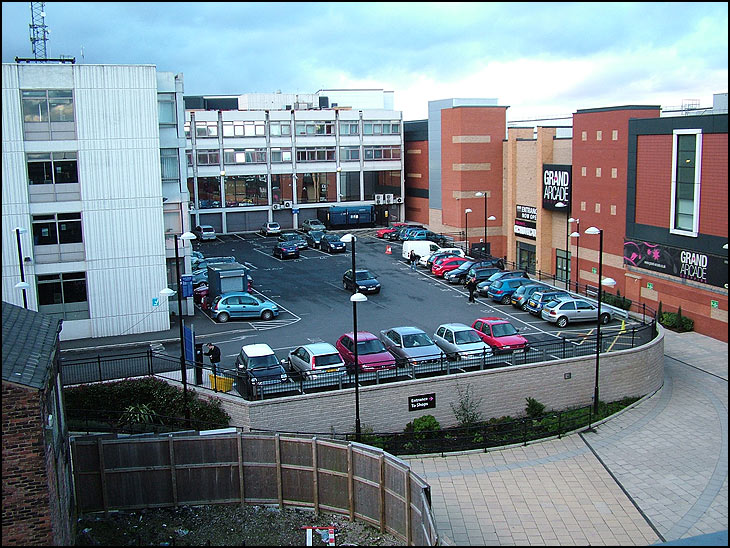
151, 363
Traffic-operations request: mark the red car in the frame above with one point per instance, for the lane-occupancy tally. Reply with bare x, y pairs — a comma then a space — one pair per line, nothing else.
371, 353
501, 335
446, 264
388, 229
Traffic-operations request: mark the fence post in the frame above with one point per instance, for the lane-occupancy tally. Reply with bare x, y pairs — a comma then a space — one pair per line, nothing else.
524, 430
98, 363
633, 334
560, 424
563, 338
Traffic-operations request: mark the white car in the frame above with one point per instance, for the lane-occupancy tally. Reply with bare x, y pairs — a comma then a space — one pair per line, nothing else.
310, 359
459, 341
204, 232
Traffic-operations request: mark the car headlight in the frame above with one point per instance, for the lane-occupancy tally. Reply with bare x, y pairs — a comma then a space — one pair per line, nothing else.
284, 377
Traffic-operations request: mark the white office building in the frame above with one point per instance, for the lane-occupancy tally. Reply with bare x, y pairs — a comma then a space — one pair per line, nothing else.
93, 184
282, 157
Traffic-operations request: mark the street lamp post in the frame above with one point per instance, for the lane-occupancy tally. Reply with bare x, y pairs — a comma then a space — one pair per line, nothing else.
601, 281
356, 298
577, 249
486, 218
466, 228
183, 366
22, 284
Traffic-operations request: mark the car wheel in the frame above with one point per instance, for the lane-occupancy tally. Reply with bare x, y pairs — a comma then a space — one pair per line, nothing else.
267, 315
223, 317
506, 299
344, 285
605, 318
524, 307
562, 322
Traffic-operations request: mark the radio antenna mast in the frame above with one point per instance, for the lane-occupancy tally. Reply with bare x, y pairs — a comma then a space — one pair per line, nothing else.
38, 29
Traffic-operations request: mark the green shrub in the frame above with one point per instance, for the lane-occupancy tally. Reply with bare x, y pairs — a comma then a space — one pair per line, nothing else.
467, 410
534, 408
616, 300
421, 425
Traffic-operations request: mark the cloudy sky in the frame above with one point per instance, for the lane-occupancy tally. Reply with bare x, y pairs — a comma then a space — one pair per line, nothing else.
541, 59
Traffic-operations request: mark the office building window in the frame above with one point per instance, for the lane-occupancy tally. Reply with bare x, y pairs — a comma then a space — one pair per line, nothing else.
206, 129
316, 187
186, 127
281, 188
60, 228
350, 128
245, 190
208, 158
314, 128
51, 168
48, 114
166, 109
381, 128
63, 295
562, 264
244, 128
316, 154
232, 156
686, 171
349, 185
348, 154
381, 152
209, 192
169, 164
279, 129
280, 155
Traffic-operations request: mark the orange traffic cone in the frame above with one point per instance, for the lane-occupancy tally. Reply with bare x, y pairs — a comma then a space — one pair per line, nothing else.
388, 250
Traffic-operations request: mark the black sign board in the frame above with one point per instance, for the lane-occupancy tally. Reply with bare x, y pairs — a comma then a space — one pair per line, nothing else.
682, 263
556, 186
424, 401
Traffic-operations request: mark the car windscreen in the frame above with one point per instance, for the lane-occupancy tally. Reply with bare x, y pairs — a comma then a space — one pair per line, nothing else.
465, 337
372, 346
327, 359
365, 275
416, 339
503, 330
263, 362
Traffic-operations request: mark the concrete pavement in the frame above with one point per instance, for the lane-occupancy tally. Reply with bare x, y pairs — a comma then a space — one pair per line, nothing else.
654, 473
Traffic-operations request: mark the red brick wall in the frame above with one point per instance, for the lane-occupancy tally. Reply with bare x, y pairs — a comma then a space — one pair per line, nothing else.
654, 180
713, 190
26, 510
416, 176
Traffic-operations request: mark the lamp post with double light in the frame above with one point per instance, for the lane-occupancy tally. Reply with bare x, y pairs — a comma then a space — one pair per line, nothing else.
466, 228
486, 218
575, 234
601, 282
22, 284
168, 292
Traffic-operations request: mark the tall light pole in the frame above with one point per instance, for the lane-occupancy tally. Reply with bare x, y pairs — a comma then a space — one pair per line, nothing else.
486, 218
577, 249
355, 298
183, 366
23, 285
466, 228
601, 281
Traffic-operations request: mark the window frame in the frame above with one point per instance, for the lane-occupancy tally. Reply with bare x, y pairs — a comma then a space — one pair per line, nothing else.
64, 279
673, 228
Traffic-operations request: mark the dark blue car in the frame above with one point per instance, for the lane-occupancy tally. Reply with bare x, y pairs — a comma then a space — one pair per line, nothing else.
331, 243
286, 250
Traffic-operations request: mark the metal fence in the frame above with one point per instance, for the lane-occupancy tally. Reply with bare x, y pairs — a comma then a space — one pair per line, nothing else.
105, 368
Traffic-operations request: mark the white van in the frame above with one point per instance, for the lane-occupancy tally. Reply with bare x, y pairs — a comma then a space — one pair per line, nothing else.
421, 247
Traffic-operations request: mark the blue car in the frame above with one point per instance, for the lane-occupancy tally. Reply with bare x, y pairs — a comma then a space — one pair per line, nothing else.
286, 250
293, 237
240, 304
501, 290
331, 243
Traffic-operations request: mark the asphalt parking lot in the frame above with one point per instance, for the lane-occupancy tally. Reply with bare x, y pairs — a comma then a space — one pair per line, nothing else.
316, 308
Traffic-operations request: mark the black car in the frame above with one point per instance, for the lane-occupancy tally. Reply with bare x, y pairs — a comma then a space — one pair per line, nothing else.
364, 282
481, 274
458, 275
293, 237
498, 275
286, 250
313, 238
331, 243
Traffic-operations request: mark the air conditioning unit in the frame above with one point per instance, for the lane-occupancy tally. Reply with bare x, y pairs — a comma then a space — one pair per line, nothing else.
399, 200
287, 205
388, 198
276, 206
379, 199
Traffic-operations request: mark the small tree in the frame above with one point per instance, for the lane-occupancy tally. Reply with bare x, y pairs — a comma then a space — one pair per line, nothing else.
467, 410
534, 408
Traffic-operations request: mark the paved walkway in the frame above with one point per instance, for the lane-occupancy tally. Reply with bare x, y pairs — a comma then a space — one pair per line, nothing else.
656, 472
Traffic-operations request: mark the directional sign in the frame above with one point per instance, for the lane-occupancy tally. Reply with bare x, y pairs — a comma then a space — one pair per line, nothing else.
424, 401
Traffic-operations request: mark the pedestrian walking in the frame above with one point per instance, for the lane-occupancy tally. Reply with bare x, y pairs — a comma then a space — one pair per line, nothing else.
471, 285
413, 259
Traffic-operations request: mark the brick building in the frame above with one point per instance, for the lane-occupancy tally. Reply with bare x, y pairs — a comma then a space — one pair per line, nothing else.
37, 484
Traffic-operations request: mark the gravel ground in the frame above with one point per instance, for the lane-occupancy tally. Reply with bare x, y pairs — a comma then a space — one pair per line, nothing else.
223, 525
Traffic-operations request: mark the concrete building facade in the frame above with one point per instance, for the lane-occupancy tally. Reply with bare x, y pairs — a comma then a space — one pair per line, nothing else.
93, 159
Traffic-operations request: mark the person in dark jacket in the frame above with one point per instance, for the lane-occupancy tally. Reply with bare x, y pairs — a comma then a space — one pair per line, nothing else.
471, 285
215, 354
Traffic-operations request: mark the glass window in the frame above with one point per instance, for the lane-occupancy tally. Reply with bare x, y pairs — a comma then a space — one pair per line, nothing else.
349, 128
52, 168
245, 190
166, 108
686, 182
42, 106
350, 185
206, 129
280, 155
280, 129
63, 228
348, 154
315, 128
381, 152
63, 295
169, 164
61, 105
209, 192
316, 154
35, 106
208, 158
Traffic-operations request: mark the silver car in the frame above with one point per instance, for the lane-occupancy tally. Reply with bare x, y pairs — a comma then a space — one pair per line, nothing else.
310, 359
565, 310
410, 345
458, 340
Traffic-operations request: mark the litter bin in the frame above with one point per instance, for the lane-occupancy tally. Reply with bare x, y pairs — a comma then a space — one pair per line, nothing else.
198, 363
